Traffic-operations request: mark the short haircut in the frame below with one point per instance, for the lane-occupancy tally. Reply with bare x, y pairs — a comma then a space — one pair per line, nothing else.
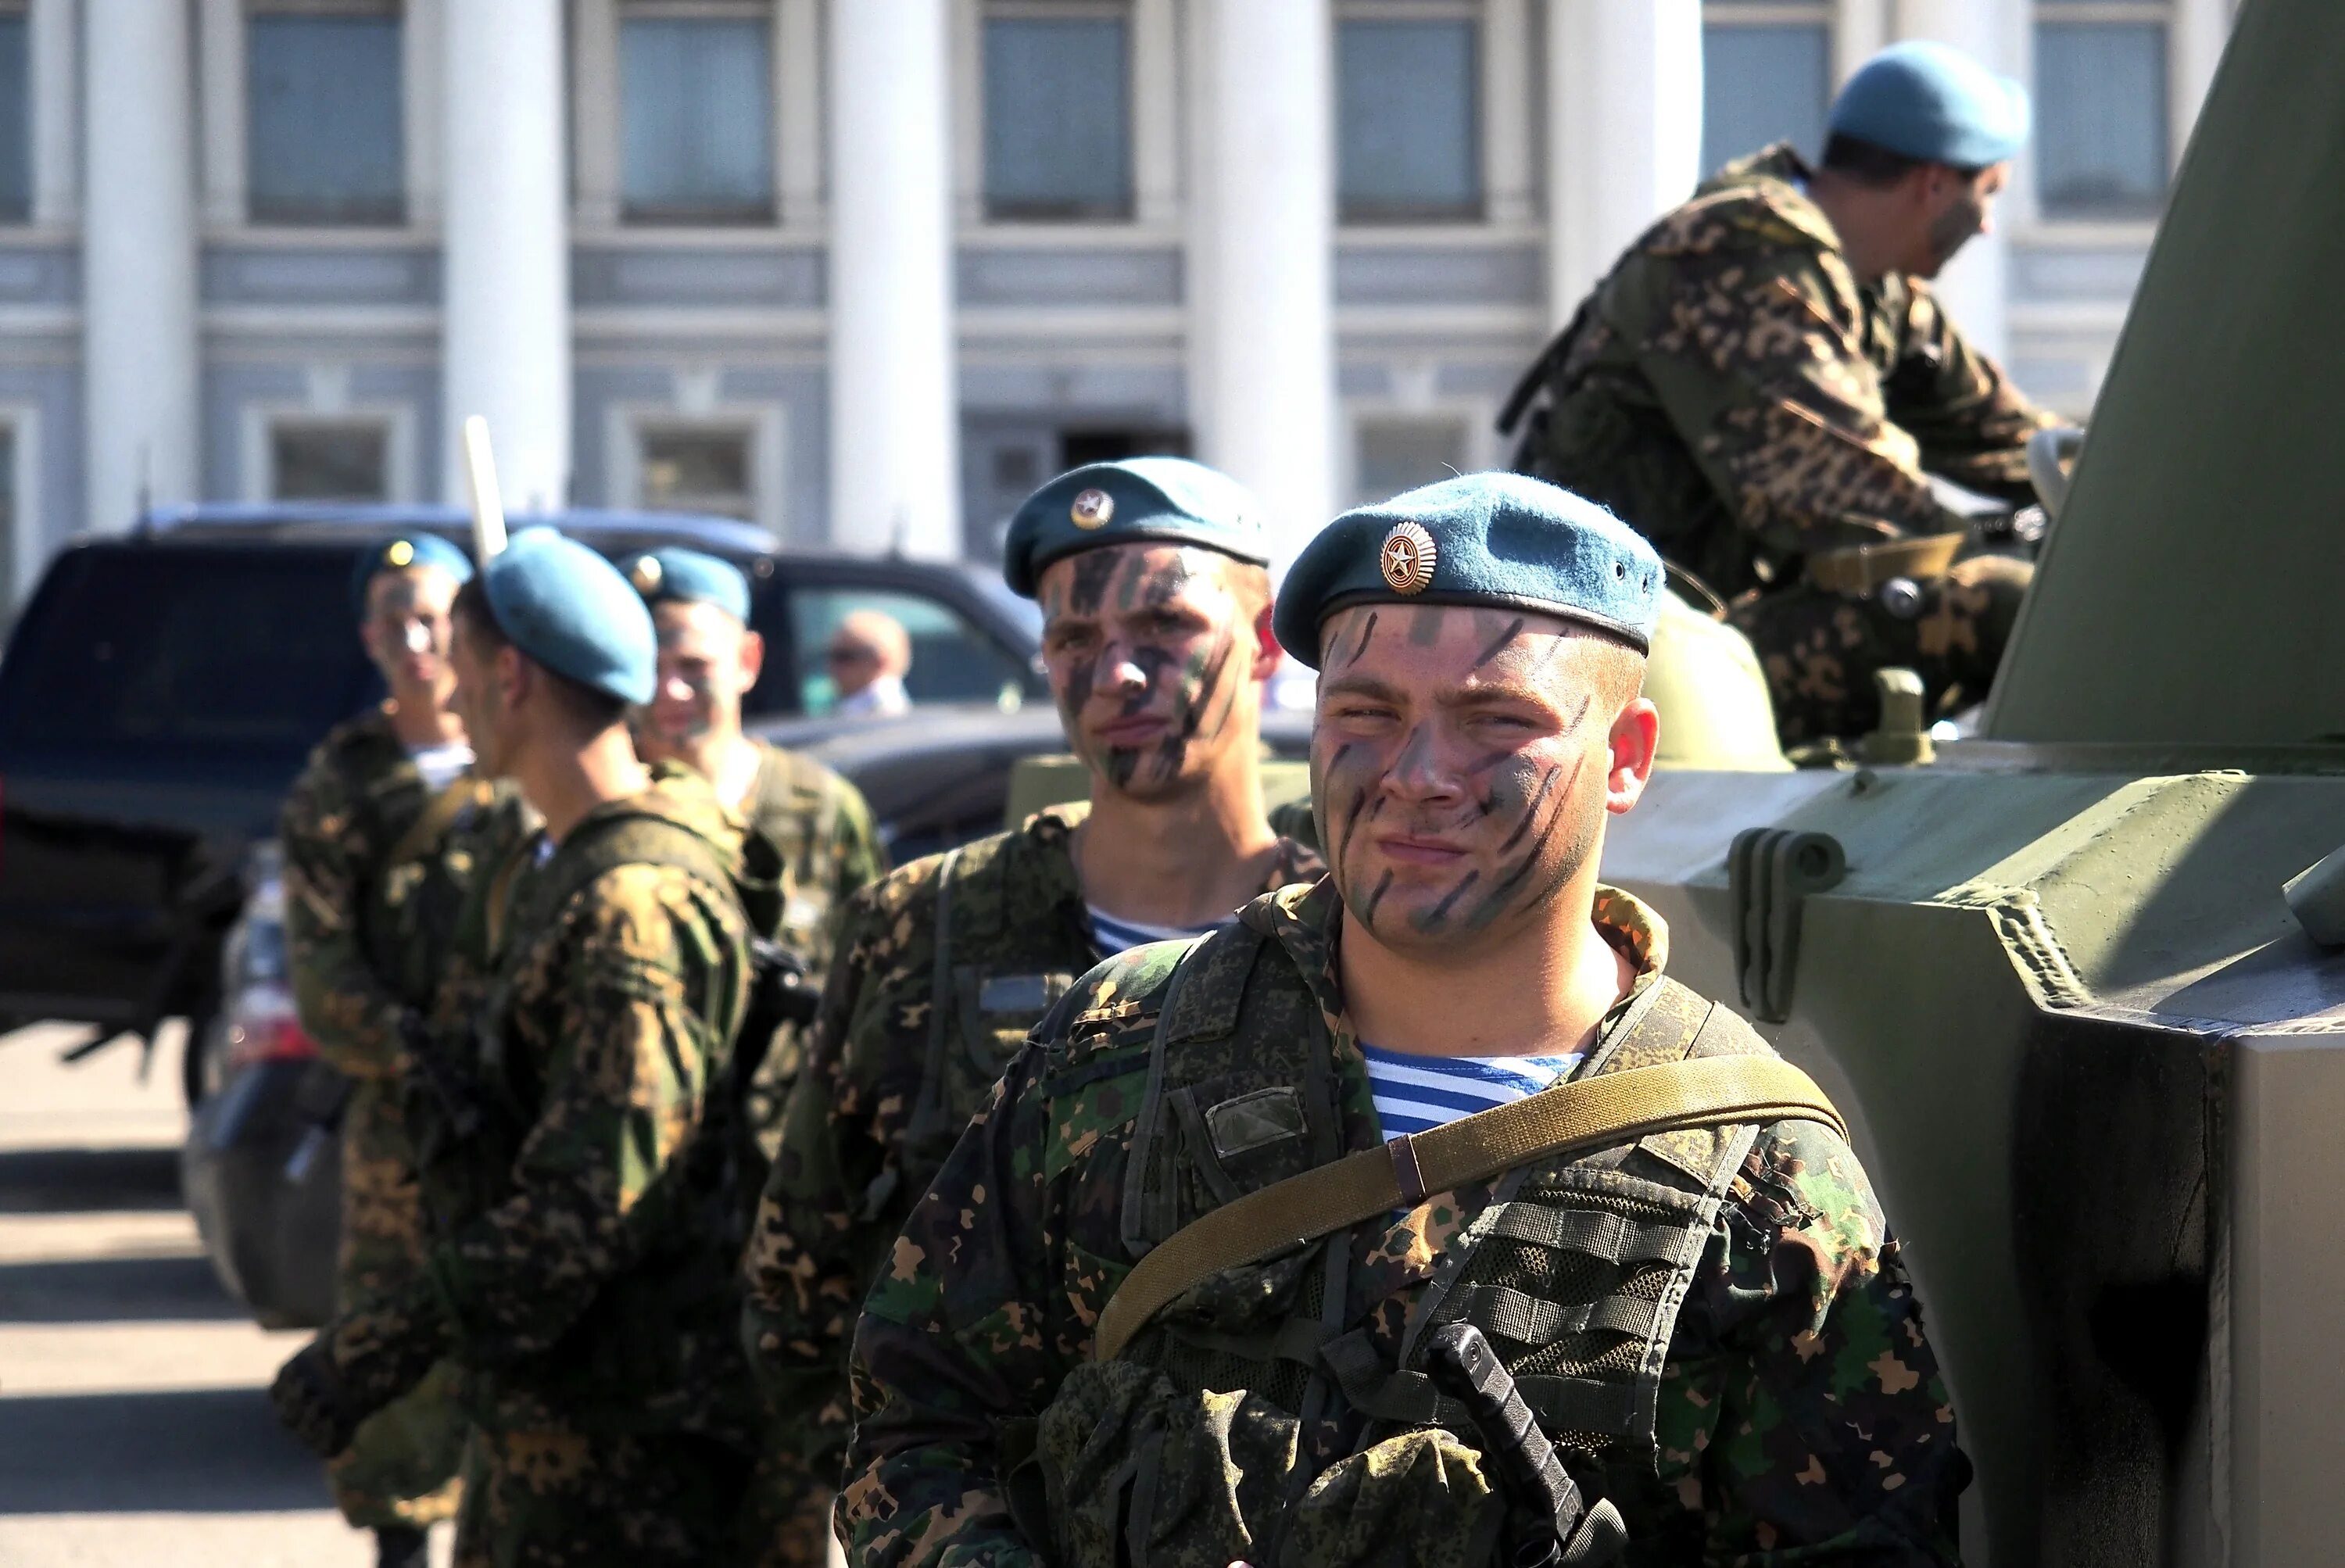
1615, 668
1870, 164
1251, 585
590, 708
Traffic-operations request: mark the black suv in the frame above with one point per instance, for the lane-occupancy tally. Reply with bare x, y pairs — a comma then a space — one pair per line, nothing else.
164, 687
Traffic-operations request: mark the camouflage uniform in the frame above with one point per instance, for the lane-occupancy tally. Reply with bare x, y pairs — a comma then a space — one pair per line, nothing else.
580, 1272
1735, 393
830, 848
368, 941
1796, 1413
890, 1084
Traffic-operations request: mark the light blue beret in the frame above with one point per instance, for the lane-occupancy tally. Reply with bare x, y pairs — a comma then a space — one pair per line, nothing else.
1934, 103
402, 552
689, 576
568, 608
1498, 540
1168, 499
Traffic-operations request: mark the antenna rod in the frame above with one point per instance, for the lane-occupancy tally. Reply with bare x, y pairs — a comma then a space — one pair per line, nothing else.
488, 501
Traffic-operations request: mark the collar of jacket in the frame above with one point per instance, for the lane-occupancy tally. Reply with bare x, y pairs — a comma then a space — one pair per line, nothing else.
1774, 176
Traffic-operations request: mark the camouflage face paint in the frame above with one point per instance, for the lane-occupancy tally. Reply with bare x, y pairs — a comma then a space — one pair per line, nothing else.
1451, 788
1161, 634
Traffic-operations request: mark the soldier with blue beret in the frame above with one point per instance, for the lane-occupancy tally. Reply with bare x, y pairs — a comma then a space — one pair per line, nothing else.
674, 574
1784, 453
580, 1268
1712, 1325
1157, 640
365, 832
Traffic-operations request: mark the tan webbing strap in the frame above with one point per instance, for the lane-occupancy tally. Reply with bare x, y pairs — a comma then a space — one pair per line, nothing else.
1594, 1112
439, 815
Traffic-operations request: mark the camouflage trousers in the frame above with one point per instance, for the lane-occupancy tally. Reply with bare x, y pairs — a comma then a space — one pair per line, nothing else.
554, 1498
401, 1467
1821, 649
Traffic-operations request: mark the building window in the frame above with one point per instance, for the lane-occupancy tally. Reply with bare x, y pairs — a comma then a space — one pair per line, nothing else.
1408, 143
697, 115
16, 120
1058, 111
323, 113
688, 469
329, 460
1392, 453
2102, 142
1766, 76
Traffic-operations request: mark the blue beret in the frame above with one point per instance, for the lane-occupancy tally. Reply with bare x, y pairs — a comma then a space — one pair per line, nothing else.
402, 551
689, 576
1499, 540
1934, 103
1168, 499
568, 608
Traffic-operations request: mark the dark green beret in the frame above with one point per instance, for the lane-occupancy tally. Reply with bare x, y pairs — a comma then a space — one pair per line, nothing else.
568, 608
1140, 498
1499, 540
689, 576
402, 552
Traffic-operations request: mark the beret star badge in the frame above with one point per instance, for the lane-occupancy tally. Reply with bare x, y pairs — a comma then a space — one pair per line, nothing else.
1408, 558
400, 553
1092, 509
646, 574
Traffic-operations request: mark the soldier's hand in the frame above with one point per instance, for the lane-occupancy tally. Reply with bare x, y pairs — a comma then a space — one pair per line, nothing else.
313, 1403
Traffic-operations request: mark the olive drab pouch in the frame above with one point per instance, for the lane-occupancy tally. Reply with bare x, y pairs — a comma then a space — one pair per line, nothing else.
978, 1018
1128, 1468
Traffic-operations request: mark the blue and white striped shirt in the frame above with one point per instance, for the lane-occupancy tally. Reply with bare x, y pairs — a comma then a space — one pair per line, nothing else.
1112, 935
1416, 1093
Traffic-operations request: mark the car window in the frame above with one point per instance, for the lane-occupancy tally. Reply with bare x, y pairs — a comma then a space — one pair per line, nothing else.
953, 661
252, 648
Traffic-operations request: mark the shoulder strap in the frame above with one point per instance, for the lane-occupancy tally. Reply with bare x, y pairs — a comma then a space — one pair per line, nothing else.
437, 816
626, 839
1591, 1113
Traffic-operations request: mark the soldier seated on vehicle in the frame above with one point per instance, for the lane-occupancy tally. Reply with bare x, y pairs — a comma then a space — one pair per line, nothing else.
1156, 633
1765, 382
1700, 1302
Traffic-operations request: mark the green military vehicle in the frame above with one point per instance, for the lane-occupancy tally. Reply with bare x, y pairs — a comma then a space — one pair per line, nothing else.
2094, 1054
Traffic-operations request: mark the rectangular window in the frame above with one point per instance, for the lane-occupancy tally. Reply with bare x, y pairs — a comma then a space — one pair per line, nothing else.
323, 138
16, 120
689, 470
1058, 113
329, 461
1408, 142
1766, 76
2102, 142
696, 118
1392, 453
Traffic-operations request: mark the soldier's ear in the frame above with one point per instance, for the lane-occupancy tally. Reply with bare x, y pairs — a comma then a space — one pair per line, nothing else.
753, 659
1267, 654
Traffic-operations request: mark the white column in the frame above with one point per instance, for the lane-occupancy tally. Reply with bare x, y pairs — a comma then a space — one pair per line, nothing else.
2201, 28
138, 261
1975, 286
1624, 131
895, 401
1860, 31
1262, 385
53, 44
507, 311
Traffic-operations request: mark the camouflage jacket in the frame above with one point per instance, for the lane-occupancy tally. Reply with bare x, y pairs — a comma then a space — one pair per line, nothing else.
829, 848
590, 1283
891, 1081
1733, 391
352, 979
1799, 1414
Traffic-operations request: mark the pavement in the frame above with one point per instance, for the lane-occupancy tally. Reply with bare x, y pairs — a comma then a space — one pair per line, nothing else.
133, 1426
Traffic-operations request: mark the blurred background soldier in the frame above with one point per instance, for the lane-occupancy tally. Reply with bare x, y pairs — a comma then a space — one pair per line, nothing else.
381, 791
868, 657
820, 824
1764, 383
1156, 630
590, 1298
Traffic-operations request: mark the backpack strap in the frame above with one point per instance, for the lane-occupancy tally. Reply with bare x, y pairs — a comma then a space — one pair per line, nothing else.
438, 817
1698, 1091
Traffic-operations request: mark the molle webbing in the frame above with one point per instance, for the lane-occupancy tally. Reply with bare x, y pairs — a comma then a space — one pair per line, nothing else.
1700, 1091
